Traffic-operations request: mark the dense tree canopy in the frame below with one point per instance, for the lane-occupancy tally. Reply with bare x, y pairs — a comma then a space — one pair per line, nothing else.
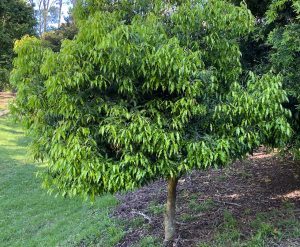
285, 56
274, 46
140, 95
16, 20
53, 39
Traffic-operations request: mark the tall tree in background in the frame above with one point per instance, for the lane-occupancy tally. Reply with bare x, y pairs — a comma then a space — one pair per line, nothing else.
146, 90
44, 7
16, 20
49, 14
60, 4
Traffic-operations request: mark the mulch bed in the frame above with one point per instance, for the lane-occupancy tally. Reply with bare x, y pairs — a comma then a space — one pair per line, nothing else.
262, 183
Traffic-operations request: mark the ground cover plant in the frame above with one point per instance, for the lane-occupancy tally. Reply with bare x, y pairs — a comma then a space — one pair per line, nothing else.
145, 94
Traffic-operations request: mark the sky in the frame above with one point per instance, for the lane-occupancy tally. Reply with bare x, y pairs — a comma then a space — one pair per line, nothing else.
65, 8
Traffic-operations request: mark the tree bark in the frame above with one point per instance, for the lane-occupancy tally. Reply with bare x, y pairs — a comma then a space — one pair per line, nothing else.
170, 225
40, 17
59, 13
45, 16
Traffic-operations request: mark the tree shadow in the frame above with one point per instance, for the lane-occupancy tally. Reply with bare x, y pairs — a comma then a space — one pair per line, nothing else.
11, 131
13, 142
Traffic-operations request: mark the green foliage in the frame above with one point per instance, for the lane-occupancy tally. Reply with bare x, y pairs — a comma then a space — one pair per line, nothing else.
16, 20
156, 94
200, 207
137, 222
229, 233
148, 242
274, 46
257, 7
271, 227
284, 57
156, 208
53, 39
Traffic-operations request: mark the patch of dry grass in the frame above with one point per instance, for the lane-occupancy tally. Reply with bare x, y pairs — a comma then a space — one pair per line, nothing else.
5, 98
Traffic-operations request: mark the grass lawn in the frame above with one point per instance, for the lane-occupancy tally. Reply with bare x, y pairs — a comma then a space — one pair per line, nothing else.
31, 217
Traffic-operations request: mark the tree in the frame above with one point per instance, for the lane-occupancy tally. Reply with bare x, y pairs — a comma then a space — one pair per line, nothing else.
284, 39
140, 95
16, 20
274, 45
54, 39
49, 14
254, 48
43, 13
60, 4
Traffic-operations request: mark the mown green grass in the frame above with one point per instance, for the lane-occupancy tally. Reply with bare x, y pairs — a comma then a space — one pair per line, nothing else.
31, 217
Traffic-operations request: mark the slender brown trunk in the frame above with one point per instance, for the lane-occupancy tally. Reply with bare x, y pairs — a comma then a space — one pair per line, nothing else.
170, 224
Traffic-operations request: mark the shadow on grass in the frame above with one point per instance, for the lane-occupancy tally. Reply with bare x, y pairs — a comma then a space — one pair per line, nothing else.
31, 217
11, 131
13, 143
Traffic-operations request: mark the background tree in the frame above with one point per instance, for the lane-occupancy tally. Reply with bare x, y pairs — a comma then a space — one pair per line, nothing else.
274, 45
16, 20
44, 10
254, 47
60, 5
49, 14
148, 91
53, 39
284, 39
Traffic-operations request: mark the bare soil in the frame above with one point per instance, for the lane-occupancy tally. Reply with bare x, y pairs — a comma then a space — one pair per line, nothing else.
5, 97
260, 184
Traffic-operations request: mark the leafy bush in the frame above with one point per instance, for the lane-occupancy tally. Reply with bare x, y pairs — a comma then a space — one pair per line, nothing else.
285, 56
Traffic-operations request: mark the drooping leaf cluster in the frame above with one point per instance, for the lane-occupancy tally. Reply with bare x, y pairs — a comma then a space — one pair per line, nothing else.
274, 46
154, 95
285, 56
